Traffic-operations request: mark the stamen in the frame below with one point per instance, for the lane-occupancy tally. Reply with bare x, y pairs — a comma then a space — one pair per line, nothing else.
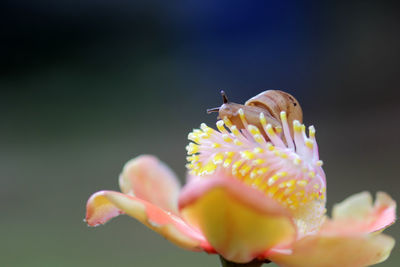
235, 131
236, 166
272, 136
248, 155
262, 171
206, 129
216, 145
245, 169
273, 179
309, 144
286, 130
255, 132
297, 161
243, 118
194, 137
258, 162
297, 136
192, 148
220, 126
253, 173
237, 142
227, 138
302, 182
227, 122
230, 154
311, 131
263, 120
227, 162
258, 150
209, 168
218, 158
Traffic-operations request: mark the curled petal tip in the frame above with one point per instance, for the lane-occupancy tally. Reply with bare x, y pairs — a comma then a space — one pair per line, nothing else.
99, 209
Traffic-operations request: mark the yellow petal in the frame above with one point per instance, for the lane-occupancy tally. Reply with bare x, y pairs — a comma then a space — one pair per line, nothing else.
236, 223
333, 251
150, 179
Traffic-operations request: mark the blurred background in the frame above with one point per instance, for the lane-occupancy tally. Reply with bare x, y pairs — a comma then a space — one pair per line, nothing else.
86, 85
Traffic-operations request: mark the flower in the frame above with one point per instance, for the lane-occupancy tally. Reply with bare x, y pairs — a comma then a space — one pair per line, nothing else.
251, 194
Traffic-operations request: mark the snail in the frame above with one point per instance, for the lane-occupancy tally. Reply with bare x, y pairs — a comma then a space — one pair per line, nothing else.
270, 103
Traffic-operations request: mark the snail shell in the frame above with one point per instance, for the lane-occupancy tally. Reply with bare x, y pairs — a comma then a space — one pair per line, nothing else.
270, 102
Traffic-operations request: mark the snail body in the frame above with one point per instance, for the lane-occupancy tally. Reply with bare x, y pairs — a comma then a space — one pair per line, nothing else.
271, 103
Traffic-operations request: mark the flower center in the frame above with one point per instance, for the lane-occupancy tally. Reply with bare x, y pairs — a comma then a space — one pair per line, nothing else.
284, 168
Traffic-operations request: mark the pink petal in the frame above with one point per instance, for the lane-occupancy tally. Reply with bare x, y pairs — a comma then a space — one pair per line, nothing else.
357, 214
333, 251
238, 221
150, 179
104, 205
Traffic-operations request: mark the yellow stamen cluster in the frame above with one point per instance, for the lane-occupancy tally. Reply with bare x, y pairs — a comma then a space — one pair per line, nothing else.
286, 170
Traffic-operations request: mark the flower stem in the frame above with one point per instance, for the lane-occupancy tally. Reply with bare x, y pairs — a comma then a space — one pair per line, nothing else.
254, 263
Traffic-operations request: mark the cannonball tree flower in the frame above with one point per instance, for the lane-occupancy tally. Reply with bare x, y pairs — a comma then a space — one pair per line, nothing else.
253, 195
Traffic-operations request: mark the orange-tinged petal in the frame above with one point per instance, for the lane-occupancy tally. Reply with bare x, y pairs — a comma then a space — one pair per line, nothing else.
358, 214
149, 179
105, 205
239, 222
333, 251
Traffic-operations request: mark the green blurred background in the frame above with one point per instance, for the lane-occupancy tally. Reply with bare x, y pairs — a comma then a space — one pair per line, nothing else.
87, 85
